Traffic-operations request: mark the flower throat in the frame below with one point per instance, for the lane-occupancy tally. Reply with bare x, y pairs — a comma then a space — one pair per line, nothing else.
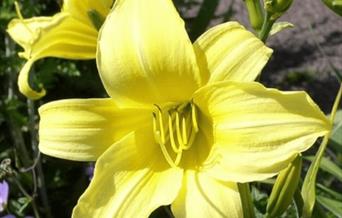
175, 129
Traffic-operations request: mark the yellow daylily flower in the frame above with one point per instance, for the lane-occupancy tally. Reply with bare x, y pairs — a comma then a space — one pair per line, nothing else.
184, 122
69, 34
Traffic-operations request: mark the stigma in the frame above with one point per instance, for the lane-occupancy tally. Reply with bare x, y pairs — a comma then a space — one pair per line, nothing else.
175, 128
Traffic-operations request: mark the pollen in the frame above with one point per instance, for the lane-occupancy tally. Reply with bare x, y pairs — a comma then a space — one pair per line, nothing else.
175, 129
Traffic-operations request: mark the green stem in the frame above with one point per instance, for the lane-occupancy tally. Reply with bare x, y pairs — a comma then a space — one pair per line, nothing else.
308, 189
266, 26
40, 182
25, 193
246, 200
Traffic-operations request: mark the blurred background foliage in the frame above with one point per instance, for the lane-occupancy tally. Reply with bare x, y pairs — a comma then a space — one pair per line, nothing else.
52, 186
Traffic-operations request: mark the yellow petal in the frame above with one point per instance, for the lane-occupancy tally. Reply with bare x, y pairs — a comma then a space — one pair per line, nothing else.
202, 196
131, 180
232, 53
83, 129
24, 85
149, 60
79, 9
58, 36
257, 131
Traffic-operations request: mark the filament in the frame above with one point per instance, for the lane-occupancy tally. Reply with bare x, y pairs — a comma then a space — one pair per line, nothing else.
175, 130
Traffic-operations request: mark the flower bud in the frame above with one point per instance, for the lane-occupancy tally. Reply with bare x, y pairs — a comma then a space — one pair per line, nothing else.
284, 188
277, 6
255, 13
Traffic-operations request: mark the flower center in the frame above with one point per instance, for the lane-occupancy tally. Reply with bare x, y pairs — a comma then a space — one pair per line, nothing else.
175, 129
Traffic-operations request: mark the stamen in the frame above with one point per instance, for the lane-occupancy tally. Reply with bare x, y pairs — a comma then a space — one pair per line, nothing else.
190, 134
179, 157
194, 117
156, 133
178, 131
172, 137
167, 155
181, 121
161, 126
191, 139
184, 132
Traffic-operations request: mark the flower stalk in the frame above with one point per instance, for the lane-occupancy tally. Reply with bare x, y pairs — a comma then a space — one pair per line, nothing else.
274, 9
309, 185
266, 26
246, 200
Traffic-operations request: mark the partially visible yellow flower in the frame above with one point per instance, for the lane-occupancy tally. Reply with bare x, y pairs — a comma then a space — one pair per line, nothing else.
184, 122
69, 34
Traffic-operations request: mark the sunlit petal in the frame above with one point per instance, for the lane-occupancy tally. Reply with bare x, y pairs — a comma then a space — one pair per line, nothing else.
58, 36
202, 196
83, 129
257, 131
149, 60
232, 53
131, 180
24, 85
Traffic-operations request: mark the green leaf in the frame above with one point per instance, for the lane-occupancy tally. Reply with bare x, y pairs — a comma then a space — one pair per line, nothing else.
332, 205
309, 185
259, 201
298, 200
336, 135
332, 193
329, 166
279, 26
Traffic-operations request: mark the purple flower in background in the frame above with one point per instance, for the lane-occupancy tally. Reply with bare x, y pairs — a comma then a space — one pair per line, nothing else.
89, 171
8, 216
4, 190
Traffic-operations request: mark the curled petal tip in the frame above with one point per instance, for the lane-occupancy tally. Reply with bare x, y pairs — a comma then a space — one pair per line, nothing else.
24, 85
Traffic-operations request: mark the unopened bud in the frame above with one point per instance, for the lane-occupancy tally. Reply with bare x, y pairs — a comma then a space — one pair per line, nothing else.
255, 13
277, 6
284, 188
